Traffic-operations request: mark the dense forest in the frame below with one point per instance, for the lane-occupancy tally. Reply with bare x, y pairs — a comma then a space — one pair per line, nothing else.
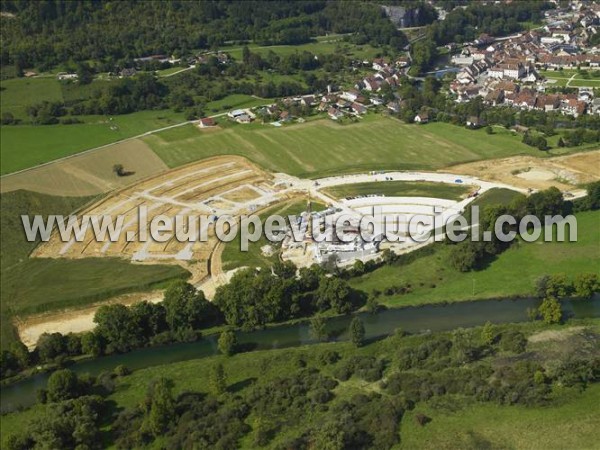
43, 34
468, 23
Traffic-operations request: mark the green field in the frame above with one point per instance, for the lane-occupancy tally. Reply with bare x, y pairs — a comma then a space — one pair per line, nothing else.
573, 425
401, 189
321, 147
19, 93
580, 79
321, 45
24, 146
513, 273
40, 285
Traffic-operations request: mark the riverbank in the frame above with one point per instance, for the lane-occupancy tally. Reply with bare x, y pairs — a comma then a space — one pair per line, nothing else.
422, 319
246, 371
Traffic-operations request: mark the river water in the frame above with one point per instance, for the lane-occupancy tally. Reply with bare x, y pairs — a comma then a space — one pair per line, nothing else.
441, 317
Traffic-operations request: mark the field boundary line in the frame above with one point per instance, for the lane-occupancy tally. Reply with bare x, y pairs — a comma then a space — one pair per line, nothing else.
94, 149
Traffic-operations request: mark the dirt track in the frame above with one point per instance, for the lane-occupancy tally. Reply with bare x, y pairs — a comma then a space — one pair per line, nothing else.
73, 321
567, 173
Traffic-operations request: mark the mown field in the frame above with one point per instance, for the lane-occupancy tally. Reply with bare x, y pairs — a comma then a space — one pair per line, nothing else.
573, 78
513, 273
572, 425
321, 147
39, 285
401, 189
24, 146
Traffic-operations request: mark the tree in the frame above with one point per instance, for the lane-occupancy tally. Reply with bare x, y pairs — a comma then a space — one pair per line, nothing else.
593, 195
91, 344
119, 170
357, 332
334, 293
464, 257
49, 346
251, 299
7, 118
463, 345
318, 329
21, 353
62, 385
542, 144
513, 341
488, 333
550, 310
284, 269
558, 285
117, 327
84, 74
160, 407
586, 284
373, 304
218, 379
9, 364
227, 342
187, 308
358, 268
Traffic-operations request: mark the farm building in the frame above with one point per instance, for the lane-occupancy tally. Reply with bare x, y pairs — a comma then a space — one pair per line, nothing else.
207, 122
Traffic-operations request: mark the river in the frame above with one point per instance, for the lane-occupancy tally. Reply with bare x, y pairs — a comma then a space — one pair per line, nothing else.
441, 317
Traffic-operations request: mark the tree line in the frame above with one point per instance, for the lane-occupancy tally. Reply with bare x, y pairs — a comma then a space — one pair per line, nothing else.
44, 34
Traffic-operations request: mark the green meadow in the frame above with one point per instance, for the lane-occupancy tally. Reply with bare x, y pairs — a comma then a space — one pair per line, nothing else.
24, 146
456, 424
322, 147
582, 78
400, 189
37, 285
321, 45
512, 273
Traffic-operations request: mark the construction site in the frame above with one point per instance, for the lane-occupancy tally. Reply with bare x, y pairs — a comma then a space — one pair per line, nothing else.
213, 187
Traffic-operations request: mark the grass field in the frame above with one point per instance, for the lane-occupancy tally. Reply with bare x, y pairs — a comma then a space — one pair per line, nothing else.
572, 78
40, 285
573, 425
513, 273
321, 45
497, 196
19, 93
24, 146
401, 189
321, 147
